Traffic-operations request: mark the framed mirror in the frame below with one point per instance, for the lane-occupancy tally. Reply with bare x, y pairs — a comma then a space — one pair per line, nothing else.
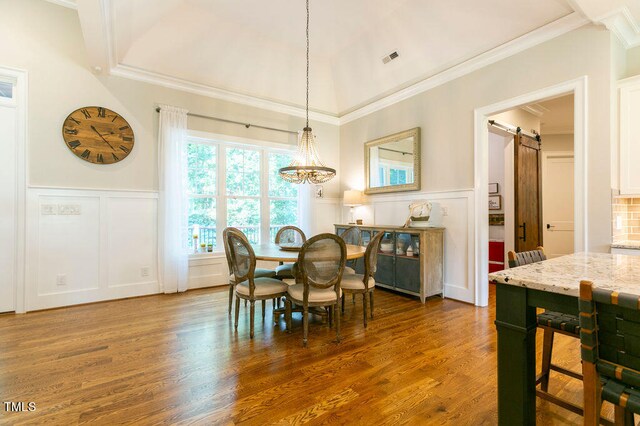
392, 163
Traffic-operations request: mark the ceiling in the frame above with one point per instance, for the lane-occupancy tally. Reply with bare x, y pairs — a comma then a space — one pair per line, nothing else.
256, 49
556, 115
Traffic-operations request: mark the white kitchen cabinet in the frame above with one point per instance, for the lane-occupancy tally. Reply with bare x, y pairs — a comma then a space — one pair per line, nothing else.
629, 133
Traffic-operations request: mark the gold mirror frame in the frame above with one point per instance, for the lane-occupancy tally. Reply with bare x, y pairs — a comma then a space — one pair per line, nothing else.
415, 186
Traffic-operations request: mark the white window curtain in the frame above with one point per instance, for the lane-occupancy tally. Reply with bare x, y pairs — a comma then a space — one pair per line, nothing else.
173, 257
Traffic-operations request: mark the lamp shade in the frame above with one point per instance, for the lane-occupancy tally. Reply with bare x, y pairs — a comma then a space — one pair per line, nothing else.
352, 197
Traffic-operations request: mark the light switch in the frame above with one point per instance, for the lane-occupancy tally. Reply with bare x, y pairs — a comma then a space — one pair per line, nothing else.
48, 209
69, 209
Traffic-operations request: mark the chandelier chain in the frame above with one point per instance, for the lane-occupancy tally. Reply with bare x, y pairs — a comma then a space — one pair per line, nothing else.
307, 63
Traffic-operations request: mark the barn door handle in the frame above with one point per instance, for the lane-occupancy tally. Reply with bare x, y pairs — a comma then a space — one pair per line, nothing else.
524, 231
549, 226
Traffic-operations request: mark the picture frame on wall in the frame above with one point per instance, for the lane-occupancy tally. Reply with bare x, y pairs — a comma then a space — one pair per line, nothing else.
494, 188
495, 202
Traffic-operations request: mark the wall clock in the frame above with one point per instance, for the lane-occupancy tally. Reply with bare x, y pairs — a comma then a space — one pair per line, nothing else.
98, 135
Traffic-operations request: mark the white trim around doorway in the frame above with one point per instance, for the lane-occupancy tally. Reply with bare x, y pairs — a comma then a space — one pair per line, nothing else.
578, 87
20, 102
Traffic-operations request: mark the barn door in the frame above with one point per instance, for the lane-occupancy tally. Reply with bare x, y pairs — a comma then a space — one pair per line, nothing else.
528, 192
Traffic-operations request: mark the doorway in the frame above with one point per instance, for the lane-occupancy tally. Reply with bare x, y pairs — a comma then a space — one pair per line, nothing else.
12, 188
577, 88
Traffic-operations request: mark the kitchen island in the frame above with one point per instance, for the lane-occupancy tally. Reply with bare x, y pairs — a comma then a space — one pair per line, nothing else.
552, 284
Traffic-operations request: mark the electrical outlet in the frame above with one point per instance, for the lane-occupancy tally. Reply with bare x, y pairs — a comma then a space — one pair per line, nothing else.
445, 211
49, 209
144, 271
69, 209
618, 223
61, 279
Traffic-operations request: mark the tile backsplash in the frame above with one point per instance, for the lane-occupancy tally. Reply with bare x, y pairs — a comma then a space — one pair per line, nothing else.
625, 219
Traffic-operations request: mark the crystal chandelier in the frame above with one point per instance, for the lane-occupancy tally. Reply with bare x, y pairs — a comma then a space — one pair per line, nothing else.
306, 166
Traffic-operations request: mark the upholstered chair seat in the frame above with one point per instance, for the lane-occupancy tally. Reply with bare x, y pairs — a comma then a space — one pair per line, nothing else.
316, 295
356, 282
264, 286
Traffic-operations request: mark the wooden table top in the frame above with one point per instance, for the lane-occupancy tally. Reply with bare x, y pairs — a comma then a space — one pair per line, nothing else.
272, 252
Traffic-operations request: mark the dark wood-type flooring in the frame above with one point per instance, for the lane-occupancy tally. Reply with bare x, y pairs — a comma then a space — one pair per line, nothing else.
176, 359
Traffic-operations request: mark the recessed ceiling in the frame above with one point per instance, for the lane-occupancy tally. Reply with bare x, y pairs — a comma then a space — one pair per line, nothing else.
258, 48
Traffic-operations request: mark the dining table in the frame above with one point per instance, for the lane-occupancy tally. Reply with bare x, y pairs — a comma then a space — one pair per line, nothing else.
274, 253
551, 284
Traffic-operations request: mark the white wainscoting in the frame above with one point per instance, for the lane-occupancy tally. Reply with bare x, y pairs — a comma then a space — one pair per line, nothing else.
459, 258
89, 245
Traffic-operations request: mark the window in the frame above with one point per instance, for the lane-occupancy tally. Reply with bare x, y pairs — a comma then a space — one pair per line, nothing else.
238, 185
6, 89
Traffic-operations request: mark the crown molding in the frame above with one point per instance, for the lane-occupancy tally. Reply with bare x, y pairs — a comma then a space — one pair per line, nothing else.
66, 3
622, 23
545, 33
132, 73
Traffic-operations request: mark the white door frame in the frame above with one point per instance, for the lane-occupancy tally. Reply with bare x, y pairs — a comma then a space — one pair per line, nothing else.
20, 102
579, 89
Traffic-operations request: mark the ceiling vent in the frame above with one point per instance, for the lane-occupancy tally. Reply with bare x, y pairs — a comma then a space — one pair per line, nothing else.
390, 57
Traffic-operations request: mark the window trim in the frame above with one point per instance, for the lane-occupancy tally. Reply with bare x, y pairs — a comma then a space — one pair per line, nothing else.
222, 142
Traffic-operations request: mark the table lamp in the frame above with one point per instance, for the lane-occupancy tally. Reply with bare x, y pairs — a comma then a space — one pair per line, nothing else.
352, 198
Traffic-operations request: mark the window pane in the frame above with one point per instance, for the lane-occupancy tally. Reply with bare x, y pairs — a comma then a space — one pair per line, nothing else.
6, 89
277, 186
244, 214
243, 172
282, 212
202, 164
202, 212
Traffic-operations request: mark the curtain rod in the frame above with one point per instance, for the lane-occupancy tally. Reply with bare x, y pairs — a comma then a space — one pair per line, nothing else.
395, 150
247, 125
513, 130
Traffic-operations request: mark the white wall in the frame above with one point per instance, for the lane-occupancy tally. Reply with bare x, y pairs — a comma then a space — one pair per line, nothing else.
496, 175
446, 116
102, 250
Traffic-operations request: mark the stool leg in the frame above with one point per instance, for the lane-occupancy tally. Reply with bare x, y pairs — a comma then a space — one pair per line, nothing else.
342, 303
230, 298
264, 309
371, 304
623, 417
547, 348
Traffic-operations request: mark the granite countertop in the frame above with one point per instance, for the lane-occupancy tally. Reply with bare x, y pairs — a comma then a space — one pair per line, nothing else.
562, 275
626, 244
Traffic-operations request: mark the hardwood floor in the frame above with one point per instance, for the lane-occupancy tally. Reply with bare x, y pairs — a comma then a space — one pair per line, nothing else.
176, 359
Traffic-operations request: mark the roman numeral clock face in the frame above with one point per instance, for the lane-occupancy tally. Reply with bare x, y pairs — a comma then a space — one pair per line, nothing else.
98, 135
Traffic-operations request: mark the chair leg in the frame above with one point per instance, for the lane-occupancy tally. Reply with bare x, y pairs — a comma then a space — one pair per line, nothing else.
364, 308
547, 349
329, 316
245, 303
264, 309
231, 290
342, 303
237, 312
252, 313
371, 304
305, 325
336, 308
623, 417
287, 314
592, 394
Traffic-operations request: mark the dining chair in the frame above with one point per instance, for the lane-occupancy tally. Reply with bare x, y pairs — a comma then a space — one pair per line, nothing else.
248, 286
321, 265
293, 235
610, 340
551, 323
365, 283
259, 272
352, 236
